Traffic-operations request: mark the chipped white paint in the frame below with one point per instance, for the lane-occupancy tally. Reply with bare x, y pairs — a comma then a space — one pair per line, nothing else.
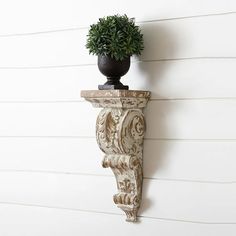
120, 131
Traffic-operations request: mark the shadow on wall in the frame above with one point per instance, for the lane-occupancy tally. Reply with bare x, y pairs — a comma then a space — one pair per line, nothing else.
159, 47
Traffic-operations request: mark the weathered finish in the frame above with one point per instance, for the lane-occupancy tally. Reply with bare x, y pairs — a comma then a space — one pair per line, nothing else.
120, 130
117, 98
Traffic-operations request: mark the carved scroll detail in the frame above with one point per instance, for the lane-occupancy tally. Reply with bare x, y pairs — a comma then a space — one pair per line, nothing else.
120, 130
120, 135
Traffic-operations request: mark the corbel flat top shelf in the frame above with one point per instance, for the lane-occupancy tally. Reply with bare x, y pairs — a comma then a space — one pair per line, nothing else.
117, 98
115, 94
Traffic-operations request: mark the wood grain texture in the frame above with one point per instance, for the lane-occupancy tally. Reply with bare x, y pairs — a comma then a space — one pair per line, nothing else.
209, 203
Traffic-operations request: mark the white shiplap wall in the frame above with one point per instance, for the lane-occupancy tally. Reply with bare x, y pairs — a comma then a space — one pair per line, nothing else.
49, 162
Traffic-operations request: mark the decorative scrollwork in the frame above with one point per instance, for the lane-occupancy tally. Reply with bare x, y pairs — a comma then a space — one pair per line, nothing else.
121, 162
120, 131
132, 132
120, 135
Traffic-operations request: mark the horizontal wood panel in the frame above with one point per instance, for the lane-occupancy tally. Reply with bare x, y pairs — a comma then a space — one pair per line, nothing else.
186, 38
174, 200
190, 160
202, 78
47, 49
68, 155
15, 221
208, 78
198, 119
48, 170
72, 13
179, 160
211, 37
48, 84
40, 119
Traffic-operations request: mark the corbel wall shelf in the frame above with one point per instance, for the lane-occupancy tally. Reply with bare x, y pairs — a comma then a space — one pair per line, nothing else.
120, 129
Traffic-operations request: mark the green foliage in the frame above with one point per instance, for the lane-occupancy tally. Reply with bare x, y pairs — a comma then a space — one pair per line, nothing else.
115, 36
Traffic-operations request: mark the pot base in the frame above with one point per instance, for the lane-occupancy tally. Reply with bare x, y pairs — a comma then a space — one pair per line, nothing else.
113, 70
113, 86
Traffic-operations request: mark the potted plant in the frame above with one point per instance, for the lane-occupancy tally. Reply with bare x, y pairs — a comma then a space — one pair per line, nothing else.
114, 39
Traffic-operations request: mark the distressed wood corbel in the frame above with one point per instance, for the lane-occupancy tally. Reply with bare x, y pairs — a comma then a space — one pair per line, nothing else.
120, 131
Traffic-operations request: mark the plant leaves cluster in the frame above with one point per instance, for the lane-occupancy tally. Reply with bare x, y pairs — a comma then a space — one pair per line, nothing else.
115, 36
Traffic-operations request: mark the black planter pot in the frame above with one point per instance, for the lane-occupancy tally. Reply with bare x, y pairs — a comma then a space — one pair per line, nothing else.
113, 70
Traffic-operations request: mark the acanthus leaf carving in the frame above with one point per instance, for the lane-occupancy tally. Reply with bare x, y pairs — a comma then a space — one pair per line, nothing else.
120, 129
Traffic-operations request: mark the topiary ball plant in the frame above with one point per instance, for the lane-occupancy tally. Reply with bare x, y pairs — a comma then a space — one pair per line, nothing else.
114, 39
115, 36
